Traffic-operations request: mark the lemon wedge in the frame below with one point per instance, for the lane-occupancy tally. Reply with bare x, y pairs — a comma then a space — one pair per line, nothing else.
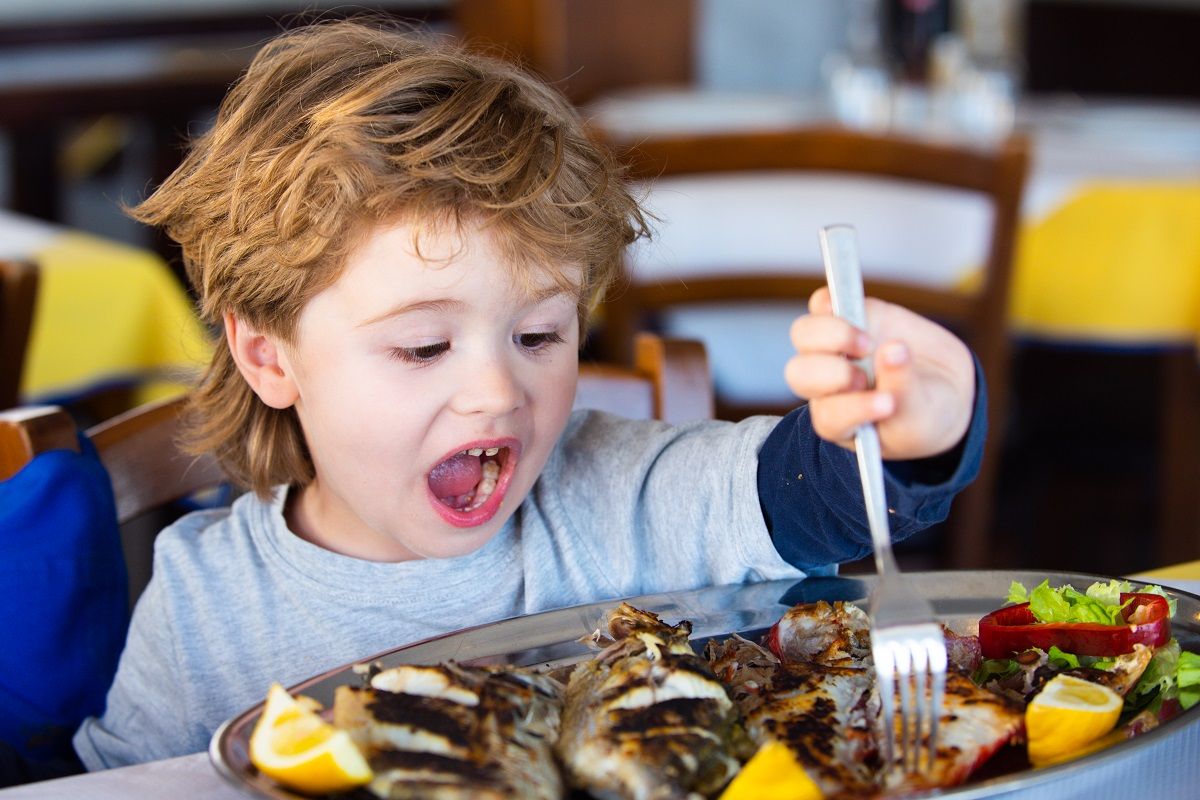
295, 747
772, 774
1067, 715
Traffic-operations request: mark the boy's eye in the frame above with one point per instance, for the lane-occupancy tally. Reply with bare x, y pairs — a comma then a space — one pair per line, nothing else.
539, 341
420, 355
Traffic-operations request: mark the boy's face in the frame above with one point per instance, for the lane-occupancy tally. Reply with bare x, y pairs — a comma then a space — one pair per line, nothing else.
431, 394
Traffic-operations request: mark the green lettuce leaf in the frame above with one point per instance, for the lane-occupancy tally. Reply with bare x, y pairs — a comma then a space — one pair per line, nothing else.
1187, 677
1062, 659
1016, 593
991, 668
1109, 593
1066, 604
1160, 672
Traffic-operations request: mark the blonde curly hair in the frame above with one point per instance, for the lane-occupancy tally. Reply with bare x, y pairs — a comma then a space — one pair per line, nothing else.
335, 129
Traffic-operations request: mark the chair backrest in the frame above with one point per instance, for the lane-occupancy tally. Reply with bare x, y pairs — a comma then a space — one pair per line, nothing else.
993, 174
18, 291
669, 380
137, 448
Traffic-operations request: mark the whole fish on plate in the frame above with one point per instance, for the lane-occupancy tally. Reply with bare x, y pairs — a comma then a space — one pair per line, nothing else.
452, 731
646, 719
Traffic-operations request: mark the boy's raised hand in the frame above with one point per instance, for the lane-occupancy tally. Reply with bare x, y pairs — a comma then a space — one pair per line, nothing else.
924, 378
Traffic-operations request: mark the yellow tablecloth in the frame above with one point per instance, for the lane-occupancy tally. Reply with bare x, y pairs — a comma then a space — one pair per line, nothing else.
1117, 262
1189, 571
109, 313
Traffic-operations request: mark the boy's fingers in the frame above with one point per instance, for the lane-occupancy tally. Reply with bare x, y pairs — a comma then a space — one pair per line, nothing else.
892, 368
836, 418
821, 333
812, 376
820, 302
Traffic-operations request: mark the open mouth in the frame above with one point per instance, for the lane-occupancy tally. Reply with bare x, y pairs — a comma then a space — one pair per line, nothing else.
465, 481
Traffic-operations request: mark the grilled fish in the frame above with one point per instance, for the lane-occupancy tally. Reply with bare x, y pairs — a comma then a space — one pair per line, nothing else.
826, 683
451, 731
975, 723
824, 714
646, 719
833, 634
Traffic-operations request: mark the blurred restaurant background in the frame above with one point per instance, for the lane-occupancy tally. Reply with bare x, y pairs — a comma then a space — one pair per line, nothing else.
1096, 453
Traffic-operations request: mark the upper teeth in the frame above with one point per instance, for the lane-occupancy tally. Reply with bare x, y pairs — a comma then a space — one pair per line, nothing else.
491, 451
475, 451
479, 451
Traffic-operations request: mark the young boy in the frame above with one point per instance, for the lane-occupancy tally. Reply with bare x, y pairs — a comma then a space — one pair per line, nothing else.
403, 243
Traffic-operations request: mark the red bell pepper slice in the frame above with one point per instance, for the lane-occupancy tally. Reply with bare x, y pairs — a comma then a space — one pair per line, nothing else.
1014, 629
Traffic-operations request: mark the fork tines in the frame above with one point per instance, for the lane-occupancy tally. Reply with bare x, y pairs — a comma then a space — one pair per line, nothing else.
911, 660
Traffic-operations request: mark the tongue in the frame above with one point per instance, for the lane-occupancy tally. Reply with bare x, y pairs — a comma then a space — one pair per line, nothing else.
455, 476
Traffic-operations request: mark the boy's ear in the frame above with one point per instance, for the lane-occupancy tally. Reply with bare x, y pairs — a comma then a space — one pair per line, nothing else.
262, 363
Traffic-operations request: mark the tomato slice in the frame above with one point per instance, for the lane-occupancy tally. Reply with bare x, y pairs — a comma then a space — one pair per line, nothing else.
1014, 629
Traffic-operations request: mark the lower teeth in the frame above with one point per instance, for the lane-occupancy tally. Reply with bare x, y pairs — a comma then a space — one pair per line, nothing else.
487, 484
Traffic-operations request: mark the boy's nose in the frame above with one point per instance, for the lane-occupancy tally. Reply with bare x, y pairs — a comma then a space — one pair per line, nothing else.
489, 388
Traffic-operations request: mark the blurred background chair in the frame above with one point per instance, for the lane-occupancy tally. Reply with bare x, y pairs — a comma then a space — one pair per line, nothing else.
18, 291
899, 168
669, 380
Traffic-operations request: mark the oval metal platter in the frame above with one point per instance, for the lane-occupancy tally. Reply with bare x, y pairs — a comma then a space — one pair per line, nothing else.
1164, 762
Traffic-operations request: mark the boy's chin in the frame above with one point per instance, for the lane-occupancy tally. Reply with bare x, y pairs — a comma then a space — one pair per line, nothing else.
457, 543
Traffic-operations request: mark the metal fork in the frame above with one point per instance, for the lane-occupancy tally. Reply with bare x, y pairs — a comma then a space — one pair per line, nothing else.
907, 644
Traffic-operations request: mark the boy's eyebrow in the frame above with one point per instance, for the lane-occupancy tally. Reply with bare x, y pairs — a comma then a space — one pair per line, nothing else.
446, 305
409, 308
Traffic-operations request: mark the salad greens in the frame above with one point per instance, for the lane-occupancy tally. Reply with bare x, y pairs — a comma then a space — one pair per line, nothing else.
1172, 674
1100, 603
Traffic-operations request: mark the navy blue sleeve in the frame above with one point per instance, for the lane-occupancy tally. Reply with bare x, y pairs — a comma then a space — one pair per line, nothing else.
812, 501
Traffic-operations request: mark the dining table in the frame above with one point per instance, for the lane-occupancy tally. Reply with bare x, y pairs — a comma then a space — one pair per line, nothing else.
195, 776
107, 314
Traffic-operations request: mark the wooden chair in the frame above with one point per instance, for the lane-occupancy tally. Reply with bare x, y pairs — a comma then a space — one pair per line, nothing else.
669, 381
18, 292
137, 449
149, 474
995, 174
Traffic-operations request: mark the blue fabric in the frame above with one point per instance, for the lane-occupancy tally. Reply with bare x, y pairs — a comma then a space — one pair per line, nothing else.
64, 603
811, 495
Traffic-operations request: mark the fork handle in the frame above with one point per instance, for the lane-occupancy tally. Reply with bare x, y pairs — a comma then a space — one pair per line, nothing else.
839, 249
843, 273
870, 470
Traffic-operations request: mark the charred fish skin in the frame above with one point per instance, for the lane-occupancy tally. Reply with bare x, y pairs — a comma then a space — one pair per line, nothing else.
647, 719
975, 723
823, 714
451, 731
